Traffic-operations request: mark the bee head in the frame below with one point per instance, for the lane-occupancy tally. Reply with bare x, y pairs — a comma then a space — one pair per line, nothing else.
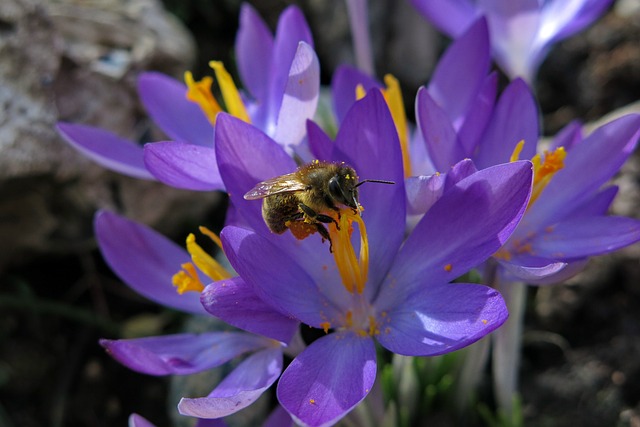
342, 188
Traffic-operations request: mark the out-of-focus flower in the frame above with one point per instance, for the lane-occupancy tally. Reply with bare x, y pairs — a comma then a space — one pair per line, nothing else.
136, 420
522, 31
397, 291
282, 78
147, 262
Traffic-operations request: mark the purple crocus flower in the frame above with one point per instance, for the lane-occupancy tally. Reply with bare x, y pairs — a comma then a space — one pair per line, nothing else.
147, 261
403, 299
522, 31
282, 79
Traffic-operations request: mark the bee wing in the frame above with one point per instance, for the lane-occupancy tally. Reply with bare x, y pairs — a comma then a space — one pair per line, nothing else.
279, 184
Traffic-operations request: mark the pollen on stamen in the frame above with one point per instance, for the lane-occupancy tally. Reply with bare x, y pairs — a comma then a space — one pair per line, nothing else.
448, 268
312, 401
187, 279
353, 270
484, 321
325, 326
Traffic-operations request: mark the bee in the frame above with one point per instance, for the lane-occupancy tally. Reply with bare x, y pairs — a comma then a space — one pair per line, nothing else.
307, 199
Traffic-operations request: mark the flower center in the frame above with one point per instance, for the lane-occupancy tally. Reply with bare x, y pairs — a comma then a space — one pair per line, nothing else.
187, 279
200, 93
544, 168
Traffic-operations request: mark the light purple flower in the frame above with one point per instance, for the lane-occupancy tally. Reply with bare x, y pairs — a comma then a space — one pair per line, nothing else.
282, 77
147, 261
406, 303
522, 31
566, 221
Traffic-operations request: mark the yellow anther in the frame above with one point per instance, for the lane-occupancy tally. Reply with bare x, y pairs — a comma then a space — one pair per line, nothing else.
230, 93
393, 96
544, 170
515, 156
187, 279
200, 93
210, 234
373, 326
353, 270
360, 92
325, 326
204, 261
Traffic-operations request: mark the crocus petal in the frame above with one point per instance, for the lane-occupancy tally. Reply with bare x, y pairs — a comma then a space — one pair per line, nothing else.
300, 97
423, 192
276, 276
254, 48
182, 354
292, 29
461, 72
514, 119
279, 417
587, 166
165, 100
441, 139
136, 420
469, 223
182, 165
144, 259
452, 17
442, 318
328, 379
520, 271
241, 150
568, 137
239, 389
568, 271
343, 88
562, 18
461, 170
471, 131
368, 141
582, 237
106, 149
597, 205
236, 303
320, 144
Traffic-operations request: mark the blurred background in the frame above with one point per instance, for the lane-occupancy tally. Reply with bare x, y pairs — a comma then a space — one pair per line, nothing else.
77, 61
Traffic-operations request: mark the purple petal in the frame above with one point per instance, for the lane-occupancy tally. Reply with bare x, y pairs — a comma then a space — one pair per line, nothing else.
582, 237
452, 17
568, 271
145, 260
368, 141
561, 19
469, 223
423, 192
440, 137
279, 417
277, 277
182, 165
241, 150
522, 269
136, 420
165, 100
292, 29
475, 123
240, 389
182, 354
586, 168
568, 137
442, 318
343, 88
320, 144
328, 379
597, 205
106, 149
300, 97
515, 118
461, 170
235, 302
254, 48
461, 72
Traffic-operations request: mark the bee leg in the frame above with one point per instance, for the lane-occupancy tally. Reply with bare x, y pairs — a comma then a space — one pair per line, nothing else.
325, 235
325, 219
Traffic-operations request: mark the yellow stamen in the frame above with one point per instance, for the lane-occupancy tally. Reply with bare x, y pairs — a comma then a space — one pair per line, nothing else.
204, 261
210, 234
544, 170
393, 96
353, 270
230, 93
187, 279
515, 156
325, 326
360, 92
200, 93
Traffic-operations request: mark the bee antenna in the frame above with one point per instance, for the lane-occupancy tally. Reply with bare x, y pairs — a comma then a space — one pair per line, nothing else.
379, 181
